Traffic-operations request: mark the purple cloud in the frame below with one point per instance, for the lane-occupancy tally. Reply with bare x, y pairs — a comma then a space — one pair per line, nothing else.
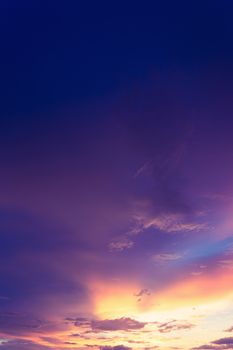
224, 341
117, 347
174, 326
219, 344
124, 323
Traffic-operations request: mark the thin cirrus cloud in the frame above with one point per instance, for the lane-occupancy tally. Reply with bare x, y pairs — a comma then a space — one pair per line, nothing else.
120, 243
167, 223
164, 257
171, 223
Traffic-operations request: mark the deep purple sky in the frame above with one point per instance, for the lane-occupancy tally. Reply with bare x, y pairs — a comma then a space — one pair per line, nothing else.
116, 175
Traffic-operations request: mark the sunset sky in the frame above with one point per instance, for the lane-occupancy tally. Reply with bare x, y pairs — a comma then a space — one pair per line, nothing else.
116, 175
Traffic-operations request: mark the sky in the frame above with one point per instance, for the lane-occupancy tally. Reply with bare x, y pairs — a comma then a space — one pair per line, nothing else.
116, 175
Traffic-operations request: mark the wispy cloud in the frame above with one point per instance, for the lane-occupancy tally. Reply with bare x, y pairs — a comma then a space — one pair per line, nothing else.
174, 325
120, 244
163, 257
172, 223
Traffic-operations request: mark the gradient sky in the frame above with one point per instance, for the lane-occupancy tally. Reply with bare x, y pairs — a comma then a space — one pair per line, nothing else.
116, 175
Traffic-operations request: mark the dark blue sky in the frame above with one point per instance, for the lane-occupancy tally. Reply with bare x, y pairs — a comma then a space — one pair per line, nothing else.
56, 52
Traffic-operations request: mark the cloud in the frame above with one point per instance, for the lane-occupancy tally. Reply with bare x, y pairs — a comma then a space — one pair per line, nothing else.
120, 244
142, 292
207, 347
143, 169
219, 344
79, 321
172, 223
117, 347
124, 323
166, 257
174, 326
196, 273
166, 222
224, 341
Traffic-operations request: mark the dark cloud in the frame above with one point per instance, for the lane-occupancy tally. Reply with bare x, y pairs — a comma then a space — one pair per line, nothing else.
174, 326
79, 321
224, 341
219, 344
142, 292
124, 323
117, 347
207, 347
